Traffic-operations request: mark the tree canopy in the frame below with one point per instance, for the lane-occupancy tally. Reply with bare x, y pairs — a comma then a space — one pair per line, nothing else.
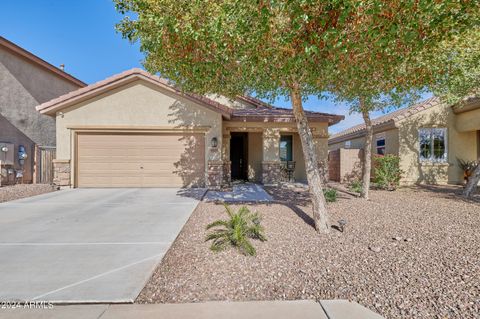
234, 46
293, 48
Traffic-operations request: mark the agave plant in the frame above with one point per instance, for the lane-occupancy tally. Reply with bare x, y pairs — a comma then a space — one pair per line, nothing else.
236, 231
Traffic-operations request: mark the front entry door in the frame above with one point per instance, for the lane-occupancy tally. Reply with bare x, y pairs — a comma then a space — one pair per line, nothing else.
239, 156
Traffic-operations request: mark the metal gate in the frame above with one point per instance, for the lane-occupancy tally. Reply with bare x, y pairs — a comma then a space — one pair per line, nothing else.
46, 155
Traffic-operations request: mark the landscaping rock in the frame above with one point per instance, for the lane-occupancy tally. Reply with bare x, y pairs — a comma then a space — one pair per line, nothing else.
375, 249
13, 192
438, 277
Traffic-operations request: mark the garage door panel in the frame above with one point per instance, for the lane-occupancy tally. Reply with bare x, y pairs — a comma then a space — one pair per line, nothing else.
140, 160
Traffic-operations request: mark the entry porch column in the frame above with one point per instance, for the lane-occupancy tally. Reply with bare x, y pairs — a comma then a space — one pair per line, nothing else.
271, 164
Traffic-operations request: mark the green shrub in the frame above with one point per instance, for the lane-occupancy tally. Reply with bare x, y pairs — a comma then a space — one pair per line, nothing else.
387, 171
236, 231
356, 186
330, 195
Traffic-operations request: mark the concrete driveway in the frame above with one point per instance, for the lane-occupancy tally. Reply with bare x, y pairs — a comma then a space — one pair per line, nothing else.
88, 245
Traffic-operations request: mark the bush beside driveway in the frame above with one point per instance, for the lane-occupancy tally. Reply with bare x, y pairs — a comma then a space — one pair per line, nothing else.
412, 253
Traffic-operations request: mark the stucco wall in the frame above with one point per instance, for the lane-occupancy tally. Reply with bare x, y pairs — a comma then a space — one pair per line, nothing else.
460, 145
24, 85
391, 142
234, 104
136, 105
468, 121
255, 156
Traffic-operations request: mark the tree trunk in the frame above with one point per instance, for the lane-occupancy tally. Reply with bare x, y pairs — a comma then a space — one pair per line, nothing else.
320, 214
471, 186
367, 152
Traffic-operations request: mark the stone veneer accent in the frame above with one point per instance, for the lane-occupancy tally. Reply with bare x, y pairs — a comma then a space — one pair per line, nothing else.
61, 172
227, 174
215, 174
271, 173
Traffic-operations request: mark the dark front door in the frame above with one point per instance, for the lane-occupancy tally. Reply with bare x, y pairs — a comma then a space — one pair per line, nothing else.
238, 155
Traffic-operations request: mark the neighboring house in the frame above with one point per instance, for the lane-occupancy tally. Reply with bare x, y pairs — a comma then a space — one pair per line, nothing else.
26, 81
136, 130
429, 138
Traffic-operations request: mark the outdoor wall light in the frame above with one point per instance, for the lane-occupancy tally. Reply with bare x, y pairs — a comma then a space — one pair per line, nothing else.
214, 142
4, 149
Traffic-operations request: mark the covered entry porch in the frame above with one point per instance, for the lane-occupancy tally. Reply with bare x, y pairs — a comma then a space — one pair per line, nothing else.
259, 152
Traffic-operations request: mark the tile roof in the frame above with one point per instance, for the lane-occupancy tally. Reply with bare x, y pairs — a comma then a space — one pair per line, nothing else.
130, 75
385, 119
278, 114
262, 111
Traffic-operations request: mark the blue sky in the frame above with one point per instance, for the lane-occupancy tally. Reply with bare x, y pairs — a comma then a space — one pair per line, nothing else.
81, 35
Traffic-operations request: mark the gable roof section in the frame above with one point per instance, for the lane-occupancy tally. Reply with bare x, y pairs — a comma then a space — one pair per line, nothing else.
118, 80
385, 121
12, 47
263, 112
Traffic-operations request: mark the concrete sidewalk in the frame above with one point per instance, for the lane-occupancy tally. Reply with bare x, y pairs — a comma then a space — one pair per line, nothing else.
305, 309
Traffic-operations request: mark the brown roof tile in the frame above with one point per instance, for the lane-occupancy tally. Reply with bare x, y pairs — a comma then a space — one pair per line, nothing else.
390, 117
261, 113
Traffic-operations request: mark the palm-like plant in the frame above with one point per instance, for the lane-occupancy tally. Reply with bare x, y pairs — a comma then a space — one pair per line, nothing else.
236, 231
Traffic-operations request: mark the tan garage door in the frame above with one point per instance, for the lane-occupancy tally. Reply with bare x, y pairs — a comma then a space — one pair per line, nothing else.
140, 160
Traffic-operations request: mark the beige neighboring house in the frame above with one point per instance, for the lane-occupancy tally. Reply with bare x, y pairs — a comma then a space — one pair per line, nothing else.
136, 130
26, 81
428, 137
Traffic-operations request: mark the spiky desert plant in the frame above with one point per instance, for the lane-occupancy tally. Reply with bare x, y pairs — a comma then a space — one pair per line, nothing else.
236, 231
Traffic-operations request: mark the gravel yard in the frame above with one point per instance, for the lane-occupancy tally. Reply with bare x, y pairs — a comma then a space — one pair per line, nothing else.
8, 193
431, 270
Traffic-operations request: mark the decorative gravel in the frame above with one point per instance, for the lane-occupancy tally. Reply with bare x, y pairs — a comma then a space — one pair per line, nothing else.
413, 253
8, 193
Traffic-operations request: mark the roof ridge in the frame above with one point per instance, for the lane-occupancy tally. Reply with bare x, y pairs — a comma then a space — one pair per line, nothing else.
116, 77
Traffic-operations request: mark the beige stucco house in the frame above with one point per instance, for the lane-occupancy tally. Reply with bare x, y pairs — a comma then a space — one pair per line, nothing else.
429, 138
26, 81
136, 130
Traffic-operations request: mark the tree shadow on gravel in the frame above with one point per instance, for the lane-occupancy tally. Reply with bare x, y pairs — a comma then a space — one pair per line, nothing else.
293, 197
449, 192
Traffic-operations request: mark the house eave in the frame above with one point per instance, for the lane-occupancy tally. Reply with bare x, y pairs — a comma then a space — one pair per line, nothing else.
84, 94
15, 49
466, 106
361, 133
286, 119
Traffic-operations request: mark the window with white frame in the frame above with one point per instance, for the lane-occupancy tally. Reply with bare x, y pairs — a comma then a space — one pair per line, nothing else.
380, 145
433, 144
348, 144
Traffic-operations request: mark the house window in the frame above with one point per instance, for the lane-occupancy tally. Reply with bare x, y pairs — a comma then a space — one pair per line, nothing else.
381, 145
286, 153
348, 144
433, 144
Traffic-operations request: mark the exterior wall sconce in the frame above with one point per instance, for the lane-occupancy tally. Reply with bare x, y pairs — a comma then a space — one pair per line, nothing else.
214, 142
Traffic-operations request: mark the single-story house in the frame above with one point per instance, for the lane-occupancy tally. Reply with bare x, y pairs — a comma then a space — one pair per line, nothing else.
26, 81
429, 137
135, 129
